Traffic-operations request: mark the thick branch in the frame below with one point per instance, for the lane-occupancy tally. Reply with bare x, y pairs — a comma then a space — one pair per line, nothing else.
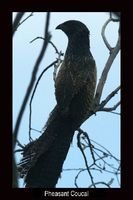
17, 21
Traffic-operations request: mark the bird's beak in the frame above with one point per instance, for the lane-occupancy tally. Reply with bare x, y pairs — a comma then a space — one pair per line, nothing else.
59, 26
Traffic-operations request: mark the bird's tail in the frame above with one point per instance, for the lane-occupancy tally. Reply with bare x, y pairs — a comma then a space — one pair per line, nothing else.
43, 159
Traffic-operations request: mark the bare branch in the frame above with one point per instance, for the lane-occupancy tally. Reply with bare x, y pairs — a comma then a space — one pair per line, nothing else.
17, 21
32, 81
19, 144
115, 113
110, 154
76, 177
20, 23
89, 142
103, 34
35, 130
98, 154
105, 73
56, 66
74, 169
80, 147
103, 31
112, 94
56, 50
33, 93
103, 183
101, 107
117, 16
18, 150
110, 109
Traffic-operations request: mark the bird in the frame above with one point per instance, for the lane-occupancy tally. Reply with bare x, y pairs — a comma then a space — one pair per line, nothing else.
75, 83
76, 80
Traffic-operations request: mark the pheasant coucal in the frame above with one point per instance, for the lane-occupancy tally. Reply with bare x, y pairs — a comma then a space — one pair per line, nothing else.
43, 158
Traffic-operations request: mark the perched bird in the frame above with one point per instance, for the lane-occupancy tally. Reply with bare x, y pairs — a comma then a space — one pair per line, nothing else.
76, 80
43, 159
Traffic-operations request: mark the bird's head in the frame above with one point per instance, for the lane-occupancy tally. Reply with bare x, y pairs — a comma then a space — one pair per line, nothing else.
72, 27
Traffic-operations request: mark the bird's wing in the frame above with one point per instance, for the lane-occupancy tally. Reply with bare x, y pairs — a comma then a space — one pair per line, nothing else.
72, 77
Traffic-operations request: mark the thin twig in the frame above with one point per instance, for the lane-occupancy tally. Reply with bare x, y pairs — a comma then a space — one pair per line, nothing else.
95, 160
115, 113
25, 19
18, 150
112, 94
35, 130
76, 177
56, 50
19, 144
90, 145
56, 66
102, 158
33, 93
74, 169
88, 169
111, 108
103, 183
103, 34
105, 149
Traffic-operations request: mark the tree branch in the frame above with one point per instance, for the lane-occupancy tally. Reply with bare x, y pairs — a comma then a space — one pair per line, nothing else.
100, 107
105, 73
98, 155
56, 50
103, 34
103, 183
89, 142
112, 94
110, 109
33, 93
20, 23
80, 147
56, 66
32, 81
17, 21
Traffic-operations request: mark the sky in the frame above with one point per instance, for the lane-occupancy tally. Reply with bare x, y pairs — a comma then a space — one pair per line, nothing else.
103, 128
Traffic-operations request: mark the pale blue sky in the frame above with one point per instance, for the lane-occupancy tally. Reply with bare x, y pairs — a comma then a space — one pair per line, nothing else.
104, 127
